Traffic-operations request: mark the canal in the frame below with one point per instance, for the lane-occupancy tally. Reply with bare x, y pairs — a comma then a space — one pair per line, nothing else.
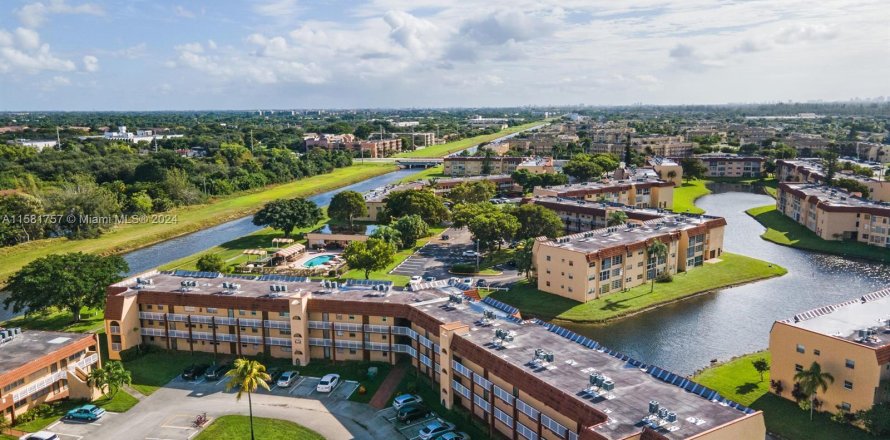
684, 337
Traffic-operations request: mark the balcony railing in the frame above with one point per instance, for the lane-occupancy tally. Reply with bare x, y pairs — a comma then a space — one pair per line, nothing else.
115, 329
347, 327
39, 384
374, 328
115, 346
320, 325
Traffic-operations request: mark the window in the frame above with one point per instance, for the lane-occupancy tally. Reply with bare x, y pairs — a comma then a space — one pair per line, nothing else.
816, 352
548, 258
851, 364
798, 367
845, 406
801, 349
616, 284
211, 310
848, 385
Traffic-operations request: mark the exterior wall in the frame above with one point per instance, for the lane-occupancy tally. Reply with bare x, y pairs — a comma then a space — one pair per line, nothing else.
751, 427
124, 333
472, 166
375, 207
664, 170
874, 229
832, 354
827, 225
733, 167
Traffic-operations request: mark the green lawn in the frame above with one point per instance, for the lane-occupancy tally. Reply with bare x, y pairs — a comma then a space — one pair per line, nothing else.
462, 144
686, 195
737, 380
782, 230
153, 370
238, 428
398, 280
60, 320
188, 219
431, 172
416, 383
733, 269
121, 402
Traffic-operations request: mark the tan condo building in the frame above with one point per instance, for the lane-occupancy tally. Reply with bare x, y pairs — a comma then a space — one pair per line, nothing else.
473, 165
812, 171
638, 193
732, 165
850, 340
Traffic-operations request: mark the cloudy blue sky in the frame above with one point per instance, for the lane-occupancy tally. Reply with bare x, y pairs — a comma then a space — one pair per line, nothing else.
227, 54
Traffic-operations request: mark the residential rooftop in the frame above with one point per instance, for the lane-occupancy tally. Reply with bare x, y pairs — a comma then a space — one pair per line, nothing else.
832, 197
729, 156
865, 320
597, 208
591, 242
380, 194
30, 345
603, 186
815, 167
577, 357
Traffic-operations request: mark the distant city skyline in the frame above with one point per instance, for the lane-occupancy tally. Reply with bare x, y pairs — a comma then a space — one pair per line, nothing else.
284, 54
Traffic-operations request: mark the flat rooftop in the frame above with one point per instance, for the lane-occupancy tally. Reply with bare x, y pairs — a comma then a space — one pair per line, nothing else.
814, 166
33, 344
379, 194
865, 320
635, 383
597, 207
831, 196
576, 189
600, 239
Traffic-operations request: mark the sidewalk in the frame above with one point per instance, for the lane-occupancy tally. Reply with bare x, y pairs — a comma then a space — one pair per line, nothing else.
389, 385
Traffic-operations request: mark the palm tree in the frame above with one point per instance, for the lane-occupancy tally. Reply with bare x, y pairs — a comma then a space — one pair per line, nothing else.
811, 381
116, 376
657, 249
617, 218
671, 174
248, 375
98, 378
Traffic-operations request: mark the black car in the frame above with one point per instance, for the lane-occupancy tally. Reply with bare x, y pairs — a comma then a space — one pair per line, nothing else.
273, 373
194, 371
413, 411
217, 371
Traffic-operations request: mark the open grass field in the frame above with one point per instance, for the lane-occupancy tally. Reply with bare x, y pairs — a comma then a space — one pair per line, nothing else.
188, 219
733, 269
153, 370
782, 230
60, 320
737, 380
462, 144
686, 195
238, 428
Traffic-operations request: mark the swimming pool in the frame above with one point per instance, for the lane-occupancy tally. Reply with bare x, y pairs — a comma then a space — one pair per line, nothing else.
318, 261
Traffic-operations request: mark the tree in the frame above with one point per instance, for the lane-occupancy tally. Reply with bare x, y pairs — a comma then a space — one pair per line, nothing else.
98, 378
876, 419
462, 213
210, 263
656, 251
582, 168
19, 219
373, 254
528, 180
110, 378
140, 203
287, 214
830, 161
346, 206
617, 218
472, 192
248, 375
761, 365
492, 228
85, 209
423, 202
411, 228
388, 234
523, 257
671, 174
486, 163
811, 380
179, 189
693, 168
537, 221
65, 281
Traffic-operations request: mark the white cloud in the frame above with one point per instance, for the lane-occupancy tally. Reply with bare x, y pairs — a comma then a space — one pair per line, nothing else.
90, 63
417, 35
182, 11
22, 52
27, 38
805, 33
34, 14
277, 8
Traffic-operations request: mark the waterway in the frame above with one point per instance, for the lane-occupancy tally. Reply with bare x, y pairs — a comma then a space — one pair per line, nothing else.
686, 336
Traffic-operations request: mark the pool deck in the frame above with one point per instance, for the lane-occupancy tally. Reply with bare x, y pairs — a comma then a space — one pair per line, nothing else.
301, 263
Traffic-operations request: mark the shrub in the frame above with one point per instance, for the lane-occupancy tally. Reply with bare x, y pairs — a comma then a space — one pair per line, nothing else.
664, 277
463, 268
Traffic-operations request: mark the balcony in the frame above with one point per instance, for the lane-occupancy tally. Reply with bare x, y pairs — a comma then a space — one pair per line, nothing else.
115, 329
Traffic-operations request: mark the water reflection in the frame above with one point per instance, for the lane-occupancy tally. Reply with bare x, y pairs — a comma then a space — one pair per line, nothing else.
684, 337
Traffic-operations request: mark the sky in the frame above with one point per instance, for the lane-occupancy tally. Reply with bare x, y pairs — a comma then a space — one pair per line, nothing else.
300, 54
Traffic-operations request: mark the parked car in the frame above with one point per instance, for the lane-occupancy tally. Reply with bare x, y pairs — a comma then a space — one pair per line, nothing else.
217, 371
445, 237
470, 254
273, 373
429, 279
435, 428
194, 371
454, 436
328, 383
416, 279
406, 399
467, 281
412, 411
89, 413
287, 379
481, 283
40, 435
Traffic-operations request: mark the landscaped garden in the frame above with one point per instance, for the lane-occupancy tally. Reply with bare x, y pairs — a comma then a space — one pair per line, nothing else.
238, 428
731, 270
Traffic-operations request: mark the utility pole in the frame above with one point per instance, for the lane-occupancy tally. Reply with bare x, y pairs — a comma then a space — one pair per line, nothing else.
251, 140
58, 139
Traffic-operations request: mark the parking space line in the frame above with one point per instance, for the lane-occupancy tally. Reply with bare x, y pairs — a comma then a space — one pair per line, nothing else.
294, 388
50, 427
222, 380
76, 437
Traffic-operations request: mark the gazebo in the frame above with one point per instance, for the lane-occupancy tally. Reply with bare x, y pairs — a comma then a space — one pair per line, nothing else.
288, 254
277, 242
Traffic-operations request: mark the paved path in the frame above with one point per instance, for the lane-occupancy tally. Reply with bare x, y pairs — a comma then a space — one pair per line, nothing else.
168, 413
389, 385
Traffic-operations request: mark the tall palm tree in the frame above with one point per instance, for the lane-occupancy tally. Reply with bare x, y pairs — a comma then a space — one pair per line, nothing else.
248, 375
116, 376
811, 381
98, 378
617, 218
657, 249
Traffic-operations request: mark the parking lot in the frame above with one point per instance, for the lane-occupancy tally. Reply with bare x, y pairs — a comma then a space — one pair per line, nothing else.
411, 431
304, 388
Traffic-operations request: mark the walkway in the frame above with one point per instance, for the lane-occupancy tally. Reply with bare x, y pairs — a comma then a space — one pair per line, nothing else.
389, 385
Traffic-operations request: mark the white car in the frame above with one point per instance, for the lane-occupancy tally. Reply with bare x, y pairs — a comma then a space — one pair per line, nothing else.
287, 379
416, 279
40, 435
470, 253
328, 383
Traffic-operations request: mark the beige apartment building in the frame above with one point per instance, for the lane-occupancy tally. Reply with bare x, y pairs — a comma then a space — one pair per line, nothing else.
503, 184
348, 142
638, 193
580, 215
38, 367
732, 165
834, 214
667, 169
473, 166
873, 152
517, 381
662, 145
812, 171
593, 264
375, 200
850, 340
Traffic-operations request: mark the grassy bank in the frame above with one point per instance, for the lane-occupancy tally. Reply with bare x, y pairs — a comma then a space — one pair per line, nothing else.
431, 172
737, 380
733, 269
238, 428
188, 219
686, 195
782, 230
451, 147
60, 320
